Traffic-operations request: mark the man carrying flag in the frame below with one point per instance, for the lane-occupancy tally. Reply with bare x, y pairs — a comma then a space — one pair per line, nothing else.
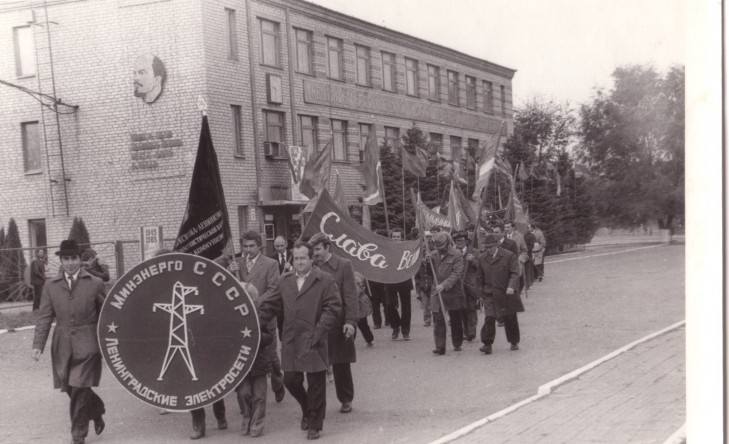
371, 170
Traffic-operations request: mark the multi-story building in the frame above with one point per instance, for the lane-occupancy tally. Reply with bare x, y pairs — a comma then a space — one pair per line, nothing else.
100, 117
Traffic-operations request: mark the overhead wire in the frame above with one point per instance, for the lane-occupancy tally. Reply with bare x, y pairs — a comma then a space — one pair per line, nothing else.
39, 96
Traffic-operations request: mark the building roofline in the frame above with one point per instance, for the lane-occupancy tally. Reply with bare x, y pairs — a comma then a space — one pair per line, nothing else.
306, 7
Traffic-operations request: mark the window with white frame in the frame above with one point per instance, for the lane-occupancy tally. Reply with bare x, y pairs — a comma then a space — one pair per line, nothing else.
24, 51
304, 51
339, 139
488, 97
470, 92
434, 83
364, 132
363, 65
411, 77
270, 43
388, 71
335, 58
309, 132
453, 88
231, 33
31, 147
274, 122
235, 112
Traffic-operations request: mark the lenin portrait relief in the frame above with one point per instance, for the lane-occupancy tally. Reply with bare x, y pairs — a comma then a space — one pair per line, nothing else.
149, 77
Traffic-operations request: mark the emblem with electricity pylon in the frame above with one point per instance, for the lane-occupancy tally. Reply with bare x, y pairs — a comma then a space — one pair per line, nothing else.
177, 343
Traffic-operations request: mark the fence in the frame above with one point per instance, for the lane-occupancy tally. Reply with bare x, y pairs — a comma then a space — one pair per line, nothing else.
119, 256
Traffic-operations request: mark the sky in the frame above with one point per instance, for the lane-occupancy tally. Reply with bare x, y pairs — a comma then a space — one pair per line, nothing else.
561, 49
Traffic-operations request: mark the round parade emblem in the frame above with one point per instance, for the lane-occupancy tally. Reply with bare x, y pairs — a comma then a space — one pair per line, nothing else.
178, 331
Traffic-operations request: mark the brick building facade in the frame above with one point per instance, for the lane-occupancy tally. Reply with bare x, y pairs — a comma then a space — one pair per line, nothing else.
273, 73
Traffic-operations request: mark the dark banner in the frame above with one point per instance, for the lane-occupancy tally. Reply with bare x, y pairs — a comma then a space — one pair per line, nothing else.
178, 332
377, 258
204, 229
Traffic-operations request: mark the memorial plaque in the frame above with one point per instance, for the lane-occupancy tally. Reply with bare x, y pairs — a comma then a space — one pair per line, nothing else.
178, 331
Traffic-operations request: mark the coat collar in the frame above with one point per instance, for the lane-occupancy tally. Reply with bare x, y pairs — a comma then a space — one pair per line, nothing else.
333, 261
313, 276
61, 276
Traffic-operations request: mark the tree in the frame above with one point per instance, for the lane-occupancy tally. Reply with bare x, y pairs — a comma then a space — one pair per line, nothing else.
79, 233
13, 261
632, 139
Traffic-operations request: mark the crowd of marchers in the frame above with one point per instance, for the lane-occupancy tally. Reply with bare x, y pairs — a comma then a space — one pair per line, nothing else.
314, 302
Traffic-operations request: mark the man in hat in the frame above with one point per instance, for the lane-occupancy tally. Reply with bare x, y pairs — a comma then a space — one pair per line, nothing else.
74, 299
399, 294
498, 277
471, 289
448, 265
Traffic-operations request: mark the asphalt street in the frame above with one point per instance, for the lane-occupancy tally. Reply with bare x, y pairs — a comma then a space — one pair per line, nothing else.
589, 304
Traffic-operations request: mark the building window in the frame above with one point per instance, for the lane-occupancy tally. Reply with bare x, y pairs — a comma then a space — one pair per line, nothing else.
411, 77
235, 111
230, 31
434, 83
24, 51
364, 132
269, 43
473, 144
503, 100
388, 71
392, 137
304, 51
488, 97
470, 92
339, 139
453, 88
274, 122
334, 54
31, 147
309, 133
456, 147
436, 141
242, 219
363, 65
37, 233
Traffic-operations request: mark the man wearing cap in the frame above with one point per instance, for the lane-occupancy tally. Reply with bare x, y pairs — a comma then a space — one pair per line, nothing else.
74, 299
424, 280
471, 288
448, 265
498, 277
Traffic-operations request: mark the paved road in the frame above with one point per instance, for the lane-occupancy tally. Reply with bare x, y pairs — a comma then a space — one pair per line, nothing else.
590, 304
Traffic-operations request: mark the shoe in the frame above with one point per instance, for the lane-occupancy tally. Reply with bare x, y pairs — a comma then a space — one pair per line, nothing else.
197, 432
99, 425
499, 324
395, 333
377, 327
438, 351
346, 407
77, 440
312, 434
222, 424
256, 433
304, 423
486, 349
540, 278
370, 344
470, 338
515, 347
457, 348
280, 395
406, 336
244, 430
427, 323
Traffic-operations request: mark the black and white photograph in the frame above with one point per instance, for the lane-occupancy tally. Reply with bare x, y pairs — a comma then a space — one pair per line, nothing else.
501, 221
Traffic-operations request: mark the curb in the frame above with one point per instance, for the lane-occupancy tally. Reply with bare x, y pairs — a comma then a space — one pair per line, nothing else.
27, 327
547, 388
678, 437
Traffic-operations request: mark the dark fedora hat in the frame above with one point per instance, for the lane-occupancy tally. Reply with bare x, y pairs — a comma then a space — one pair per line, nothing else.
69, 248
490, 239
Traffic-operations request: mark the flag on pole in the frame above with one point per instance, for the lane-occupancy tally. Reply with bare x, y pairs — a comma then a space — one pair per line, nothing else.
521, 173
317, 171
371, 170
487, 160
339, 198
456, 213
459, 174
204, 230
465, 204
416, 163
515, 210
366, 217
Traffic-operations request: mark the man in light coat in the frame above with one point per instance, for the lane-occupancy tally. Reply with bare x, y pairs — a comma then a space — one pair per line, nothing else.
73, 299
540, 246
472, 291
448, 265
309, 303
341, 338
498, 278
263, 273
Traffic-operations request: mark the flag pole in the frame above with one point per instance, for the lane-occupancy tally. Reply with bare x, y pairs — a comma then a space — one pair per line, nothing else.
384, 198
402, 185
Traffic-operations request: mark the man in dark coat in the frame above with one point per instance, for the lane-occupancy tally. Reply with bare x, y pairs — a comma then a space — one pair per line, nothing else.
448, 265
341, 338
399, 294
282, 255
498, 276
38, 276
471, 289
309, 303
74, 299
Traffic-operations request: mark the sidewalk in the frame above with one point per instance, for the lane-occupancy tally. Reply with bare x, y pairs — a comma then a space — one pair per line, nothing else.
638, 396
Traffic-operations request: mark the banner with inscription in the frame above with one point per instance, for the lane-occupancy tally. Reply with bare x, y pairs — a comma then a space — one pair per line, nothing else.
178, 332
376, 257
432, 218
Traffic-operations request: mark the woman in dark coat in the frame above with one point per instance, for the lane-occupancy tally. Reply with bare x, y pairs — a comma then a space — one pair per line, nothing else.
448, 265
498, 277
74, 299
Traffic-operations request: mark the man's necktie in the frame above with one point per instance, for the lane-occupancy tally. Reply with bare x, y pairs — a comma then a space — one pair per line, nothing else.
249, 264
70, 282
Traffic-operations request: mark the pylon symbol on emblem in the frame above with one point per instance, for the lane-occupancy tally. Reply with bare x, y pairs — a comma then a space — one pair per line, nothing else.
178, 311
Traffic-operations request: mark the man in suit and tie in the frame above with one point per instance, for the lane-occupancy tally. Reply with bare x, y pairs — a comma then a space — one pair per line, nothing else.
262, 272
282, 255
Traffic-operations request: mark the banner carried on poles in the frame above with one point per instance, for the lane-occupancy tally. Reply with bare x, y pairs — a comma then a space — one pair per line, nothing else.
376, 257
432, 218
204, 230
